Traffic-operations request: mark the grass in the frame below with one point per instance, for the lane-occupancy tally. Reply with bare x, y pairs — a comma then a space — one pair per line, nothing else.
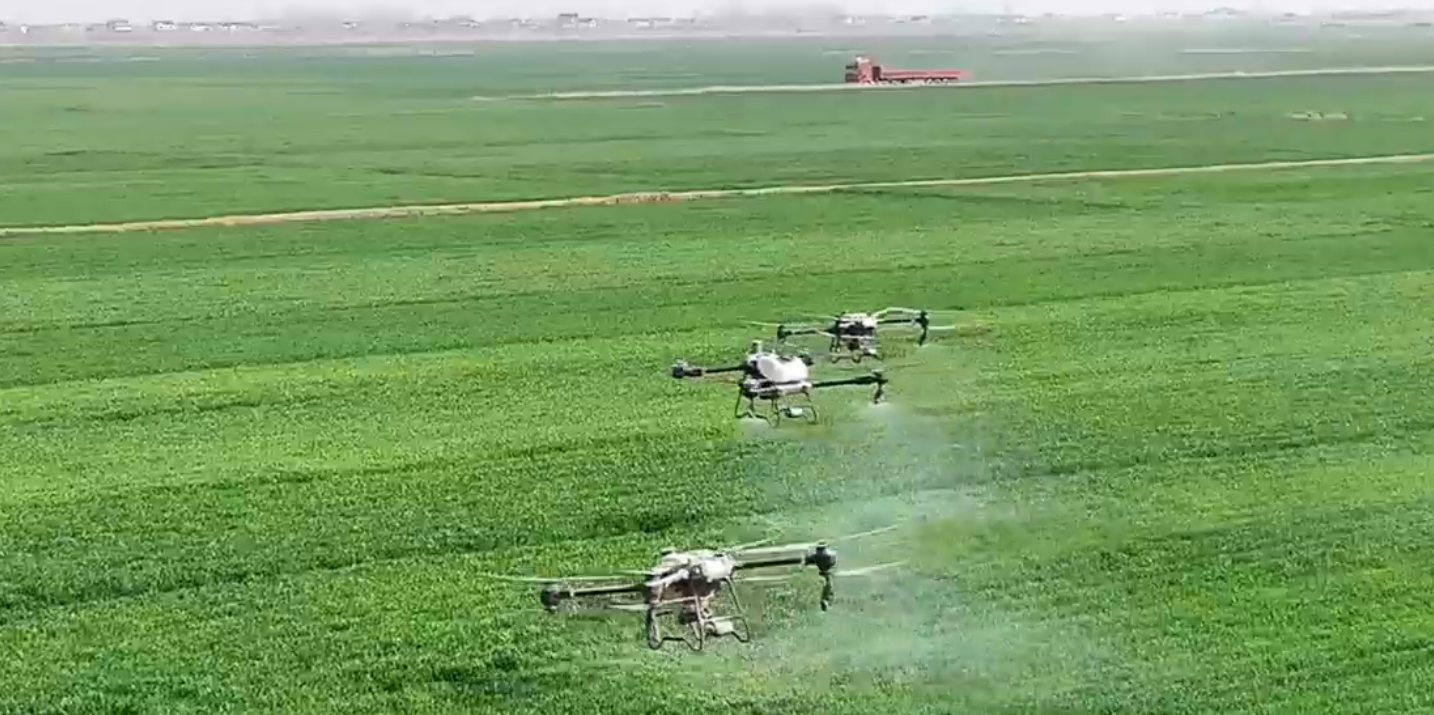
190, 137
1185, 470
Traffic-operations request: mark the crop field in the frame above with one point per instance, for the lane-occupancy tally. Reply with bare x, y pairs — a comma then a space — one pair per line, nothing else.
1176, 459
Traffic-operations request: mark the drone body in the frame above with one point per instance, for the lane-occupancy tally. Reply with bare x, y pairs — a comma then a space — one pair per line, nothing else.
773, 378
685, 586
854, 335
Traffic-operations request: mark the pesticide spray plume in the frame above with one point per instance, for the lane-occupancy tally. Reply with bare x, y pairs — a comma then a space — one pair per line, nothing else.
915, 624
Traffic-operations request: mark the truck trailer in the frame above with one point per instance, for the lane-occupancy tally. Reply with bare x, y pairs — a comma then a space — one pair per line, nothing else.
864, 71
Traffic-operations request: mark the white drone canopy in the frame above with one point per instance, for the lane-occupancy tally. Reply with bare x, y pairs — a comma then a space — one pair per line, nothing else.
782, 370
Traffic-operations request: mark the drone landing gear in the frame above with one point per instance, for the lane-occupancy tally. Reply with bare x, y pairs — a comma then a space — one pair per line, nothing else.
698, 624
695, 631
854, 350
856, 355
777, 411
654, 630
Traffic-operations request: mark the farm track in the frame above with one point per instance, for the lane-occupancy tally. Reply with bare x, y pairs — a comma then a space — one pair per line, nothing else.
834, 87
413, 211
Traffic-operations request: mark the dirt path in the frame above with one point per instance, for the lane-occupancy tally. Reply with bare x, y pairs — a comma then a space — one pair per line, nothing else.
391, 212
833, 87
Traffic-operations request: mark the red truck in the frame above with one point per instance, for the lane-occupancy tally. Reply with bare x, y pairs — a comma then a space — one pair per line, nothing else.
863, 71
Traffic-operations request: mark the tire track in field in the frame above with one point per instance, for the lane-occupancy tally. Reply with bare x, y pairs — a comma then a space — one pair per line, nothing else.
414, 211
842, 86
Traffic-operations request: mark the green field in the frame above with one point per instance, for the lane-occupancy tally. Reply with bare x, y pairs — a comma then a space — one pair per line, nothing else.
1178, 459
187, 135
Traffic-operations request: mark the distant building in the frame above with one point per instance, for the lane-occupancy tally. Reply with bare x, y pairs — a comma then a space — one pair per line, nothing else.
1224, 13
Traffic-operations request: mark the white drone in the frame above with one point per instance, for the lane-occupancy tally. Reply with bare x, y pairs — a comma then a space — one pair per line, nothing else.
854, 335
685, 585
773, 378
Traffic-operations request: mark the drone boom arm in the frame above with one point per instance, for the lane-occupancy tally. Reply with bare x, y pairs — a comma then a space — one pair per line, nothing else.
556, 593
682, 370
822, 557
774, 562
874, 378
784, 332
921, 320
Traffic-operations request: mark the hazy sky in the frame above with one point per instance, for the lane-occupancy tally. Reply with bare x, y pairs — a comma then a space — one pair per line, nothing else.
142, 10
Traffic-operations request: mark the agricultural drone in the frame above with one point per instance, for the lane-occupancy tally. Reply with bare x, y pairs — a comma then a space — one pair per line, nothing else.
684, 584
854, 335
773, 378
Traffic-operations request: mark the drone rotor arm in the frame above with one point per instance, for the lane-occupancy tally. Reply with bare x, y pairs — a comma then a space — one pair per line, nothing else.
785, 330
773, 561
811, 545
681, 370
557, 592
875, 377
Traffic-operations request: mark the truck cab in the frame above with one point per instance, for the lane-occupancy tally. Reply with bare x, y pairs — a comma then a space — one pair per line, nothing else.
862, 71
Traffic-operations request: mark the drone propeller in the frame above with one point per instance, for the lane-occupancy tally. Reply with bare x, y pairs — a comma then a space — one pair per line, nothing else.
898, 309
771, 578
827, 319
868, 570
784, 548
916, 313
629, 607
863, 571
744, 547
